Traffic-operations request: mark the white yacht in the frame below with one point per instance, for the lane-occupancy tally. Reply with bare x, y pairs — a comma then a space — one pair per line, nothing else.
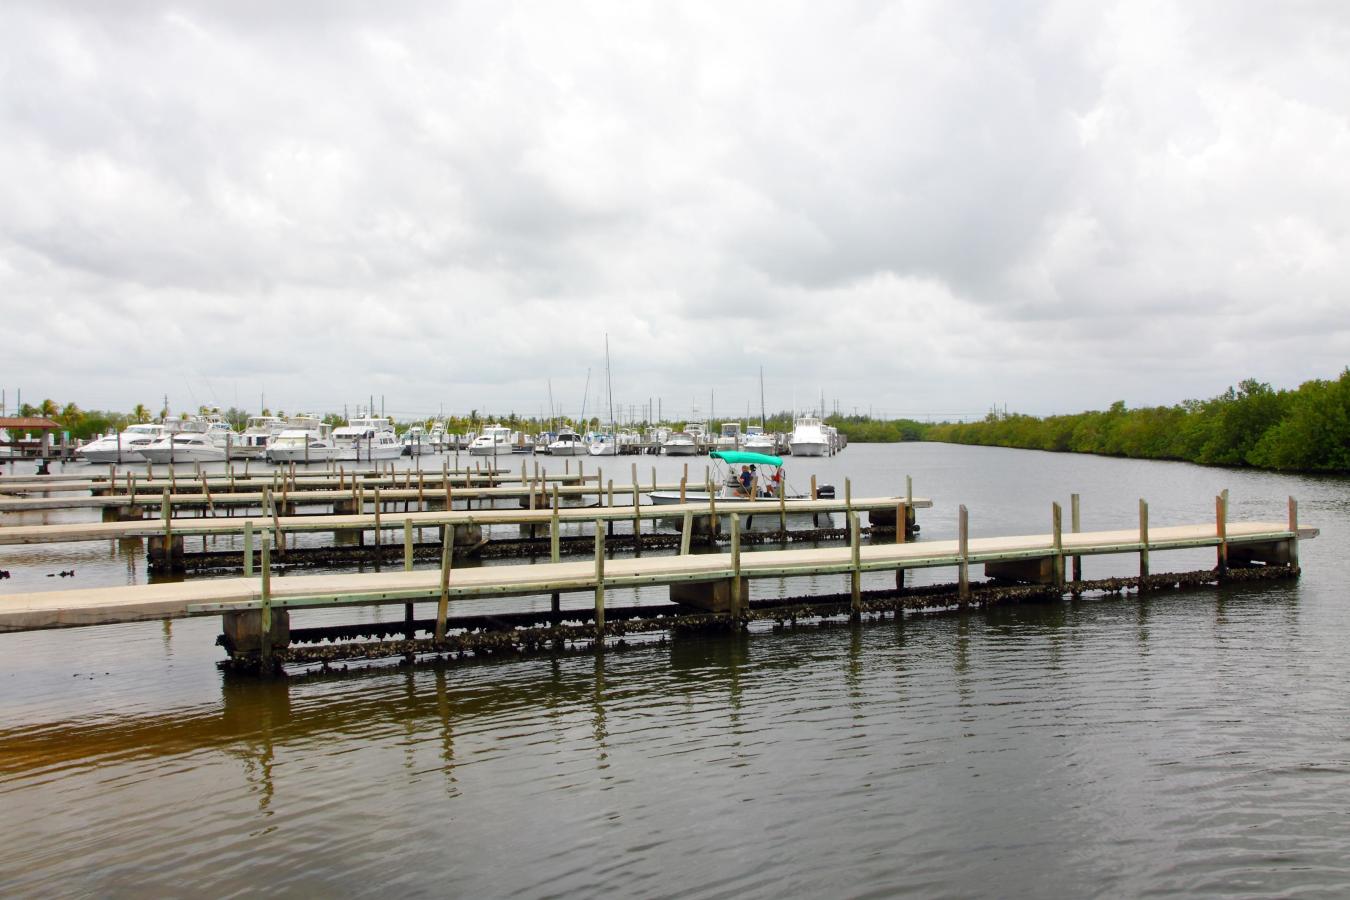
757, 440
258, 431
367, 438
187, 446
809, 438
416, 441
305, 439
604, 445
495, 439
730, 438
681, 443
567, 443
124, 447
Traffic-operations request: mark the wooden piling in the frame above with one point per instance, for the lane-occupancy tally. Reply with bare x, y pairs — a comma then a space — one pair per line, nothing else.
407, 545
686, 532
248, 548
1293, 529
1143, 539
735, 607
265, 637
447, 560
855, 573
963, 545
599, 582
1057, 526
1221, 527
1075, 526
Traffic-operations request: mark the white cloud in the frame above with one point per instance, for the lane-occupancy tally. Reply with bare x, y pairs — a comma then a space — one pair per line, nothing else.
921, 207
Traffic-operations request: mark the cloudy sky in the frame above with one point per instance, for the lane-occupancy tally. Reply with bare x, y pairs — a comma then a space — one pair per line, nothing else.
918, 208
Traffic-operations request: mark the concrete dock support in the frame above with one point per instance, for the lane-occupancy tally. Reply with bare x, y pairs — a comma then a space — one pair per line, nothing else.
123, 513
244, 632
710, 596
166, 553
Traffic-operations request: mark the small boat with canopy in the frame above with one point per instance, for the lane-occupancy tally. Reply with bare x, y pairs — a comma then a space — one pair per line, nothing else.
741, 475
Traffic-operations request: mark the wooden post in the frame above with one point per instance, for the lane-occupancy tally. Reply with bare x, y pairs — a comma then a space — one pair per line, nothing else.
686, 531
276, 521
1057, 526
554, 535
855, 574
1293, 530
447, 560
1075, 525
734, 610
206, 488
1143, 539
248, 548
407, 545
637, 515
377, 522
265, 638
166, 512
599, 581
1221, 529
901, 519
813, 488
963, 543
712, 510
782, 507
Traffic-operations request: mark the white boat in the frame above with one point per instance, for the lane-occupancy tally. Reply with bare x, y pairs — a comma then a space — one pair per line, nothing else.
567, 443
603, 445
416, 441
437, 437
305, 439
258, 431
757, 440
124, 447
766, 481
186, 446
681, 443
368, 438
809, 438
495, 439
730, 438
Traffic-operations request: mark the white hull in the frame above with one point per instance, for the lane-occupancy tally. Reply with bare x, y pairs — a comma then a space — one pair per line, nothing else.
103, 457
570, 448
604, 450
183, 454
679, 449
809, 448
297, 455
490, 450
366, 452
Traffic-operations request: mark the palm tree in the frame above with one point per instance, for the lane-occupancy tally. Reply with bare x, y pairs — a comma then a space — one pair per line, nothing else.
48, 408
140, 413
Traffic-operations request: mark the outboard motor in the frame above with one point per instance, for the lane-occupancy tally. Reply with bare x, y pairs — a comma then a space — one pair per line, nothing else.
824, 492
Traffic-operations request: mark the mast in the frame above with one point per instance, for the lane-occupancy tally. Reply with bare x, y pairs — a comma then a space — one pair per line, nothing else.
609, 390
761, 397
586, 390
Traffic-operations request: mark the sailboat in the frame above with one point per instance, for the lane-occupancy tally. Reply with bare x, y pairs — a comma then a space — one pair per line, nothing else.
607, 444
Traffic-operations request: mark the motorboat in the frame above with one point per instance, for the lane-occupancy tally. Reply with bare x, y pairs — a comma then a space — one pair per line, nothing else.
809, 438
734, 468
493, 440
367, 438
680, 443
124, 447
567, 443
757, 440
258, 431
604, 445
416, 441
186, 446
305, 439
730, 438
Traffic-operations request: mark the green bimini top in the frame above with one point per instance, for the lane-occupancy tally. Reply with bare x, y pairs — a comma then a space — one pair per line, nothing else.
740, 458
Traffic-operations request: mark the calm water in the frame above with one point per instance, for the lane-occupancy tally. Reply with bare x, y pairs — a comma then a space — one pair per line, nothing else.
1188, 743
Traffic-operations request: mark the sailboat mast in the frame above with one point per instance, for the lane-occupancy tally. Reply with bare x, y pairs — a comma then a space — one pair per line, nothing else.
609, 388
762, 423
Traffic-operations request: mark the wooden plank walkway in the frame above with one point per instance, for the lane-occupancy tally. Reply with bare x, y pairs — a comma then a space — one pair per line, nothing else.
262, 524
100, 606
303, 496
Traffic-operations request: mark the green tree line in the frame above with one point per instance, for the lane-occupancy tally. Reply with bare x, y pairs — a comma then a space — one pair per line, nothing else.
1306, 429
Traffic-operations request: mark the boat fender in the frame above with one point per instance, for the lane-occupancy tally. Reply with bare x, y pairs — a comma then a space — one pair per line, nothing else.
825, 492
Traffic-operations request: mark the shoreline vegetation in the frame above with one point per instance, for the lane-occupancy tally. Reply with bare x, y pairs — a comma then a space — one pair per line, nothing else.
1302, 430
1306, 429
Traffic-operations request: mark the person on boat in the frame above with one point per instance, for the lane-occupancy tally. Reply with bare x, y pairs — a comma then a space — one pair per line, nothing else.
773, 482
746, 480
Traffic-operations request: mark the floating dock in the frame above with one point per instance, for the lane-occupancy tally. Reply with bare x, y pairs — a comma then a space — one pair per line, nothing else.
256, 610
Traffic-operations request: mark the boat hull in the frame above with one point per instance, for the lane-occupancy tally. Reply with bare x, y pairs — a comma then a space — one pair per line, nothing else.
809, 448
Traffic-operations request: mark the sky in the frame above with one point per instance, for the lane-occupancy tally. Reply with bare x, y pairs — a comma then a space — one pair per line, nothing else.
922, 209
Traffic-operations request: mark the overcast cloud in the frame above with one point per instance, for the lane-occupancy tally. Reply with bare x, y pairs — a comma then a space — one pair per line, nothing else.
925, 208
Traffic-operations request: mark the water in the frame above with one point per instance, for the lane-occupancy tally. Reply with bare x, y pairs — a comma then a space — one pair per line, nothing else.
1187, 743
